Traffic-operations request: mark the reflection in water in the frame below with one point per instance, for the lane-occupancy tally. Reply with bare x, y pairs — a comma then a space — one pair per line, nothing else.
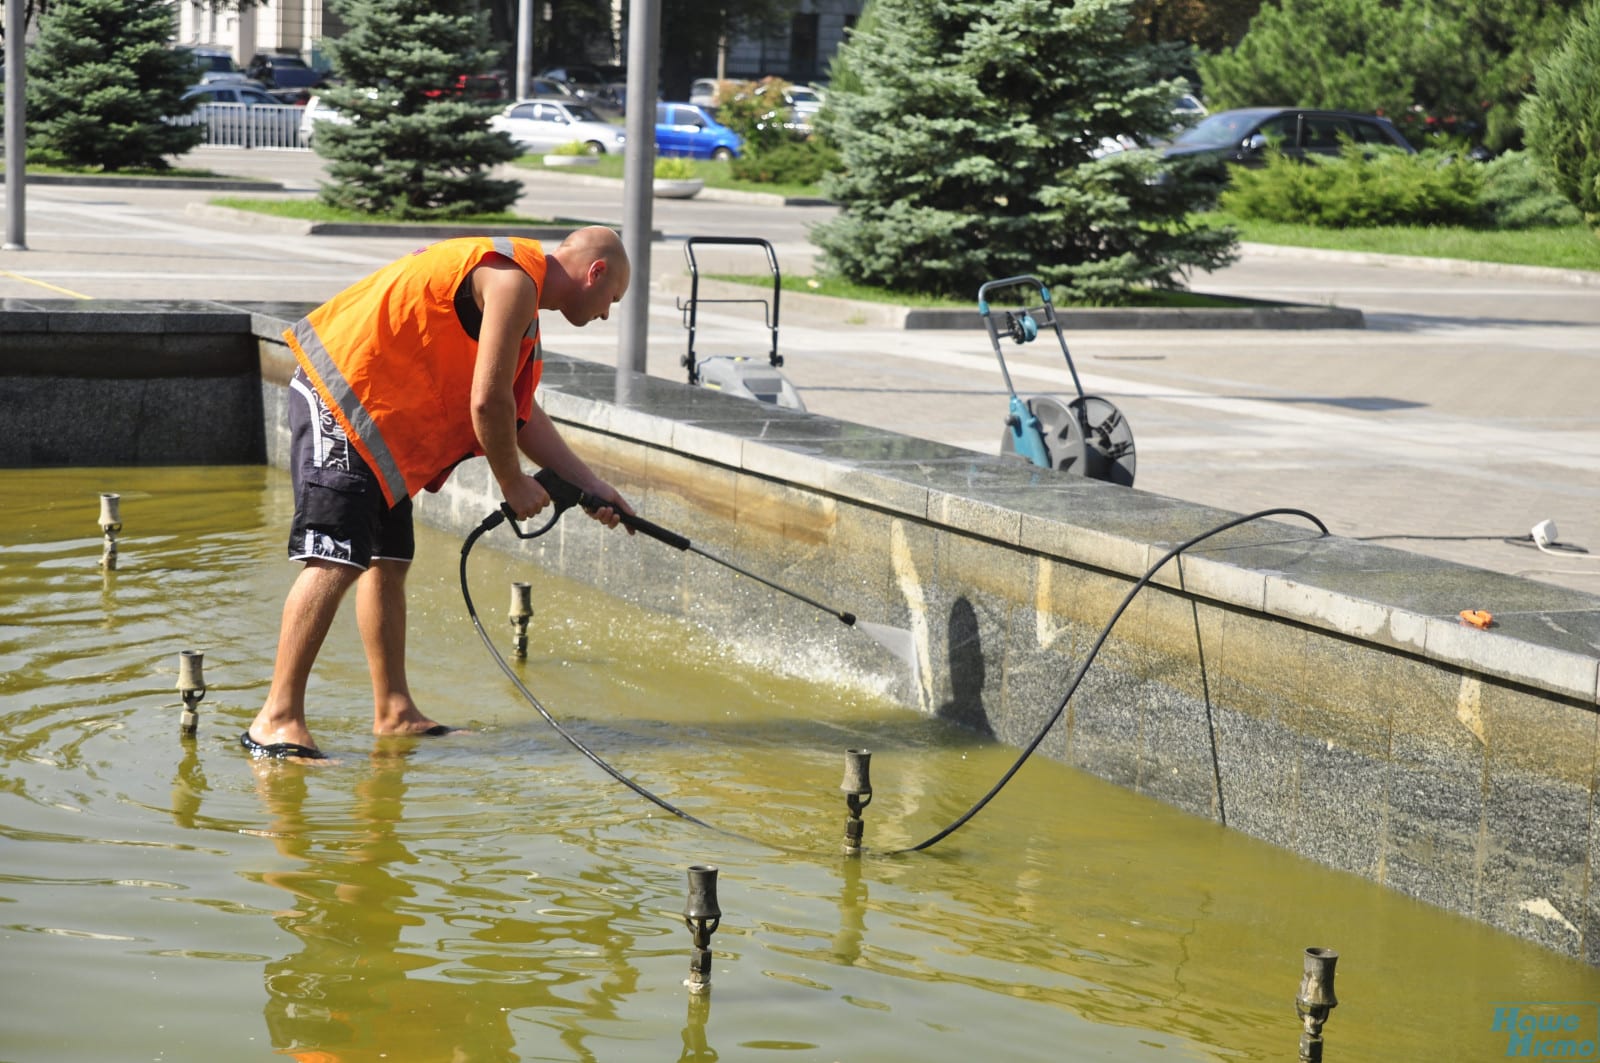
695, 1048
355, 991
188, 785
852, 913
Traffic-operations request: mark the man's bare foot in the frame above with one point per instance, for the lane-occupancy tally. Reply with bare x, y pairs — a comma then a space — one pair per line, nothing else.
408, 721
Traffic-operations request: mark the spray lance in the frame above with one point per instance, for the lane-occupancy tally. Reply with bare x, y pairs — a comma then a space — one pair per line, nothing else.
564, 495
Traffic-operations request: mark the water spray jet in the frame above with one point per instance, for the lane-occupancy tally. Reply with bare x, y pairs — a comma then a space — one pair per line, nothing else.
191, 687
520, 613
702, 916
1315, 1001
857, 787
110, 525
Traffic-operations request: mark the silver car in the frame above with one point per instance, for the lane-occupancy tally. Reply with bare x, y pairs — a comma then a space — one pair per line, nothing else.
545, 125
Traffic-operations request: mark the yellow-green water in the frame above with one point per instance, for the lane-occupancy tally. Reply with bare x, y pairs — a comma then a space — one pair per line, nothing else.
494, 896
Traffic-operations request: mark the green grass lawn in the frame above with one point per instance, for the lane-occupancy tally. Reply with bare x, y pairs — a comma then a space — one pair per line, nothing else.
714, 173
1569, 247
316, 210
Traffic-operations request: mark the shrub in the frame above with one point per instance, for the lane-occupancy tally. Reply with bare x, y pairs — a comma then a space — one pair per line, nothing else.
1560, 119
571, 147
1519, 194
795, 163
748, 110
671, 168
1359, 188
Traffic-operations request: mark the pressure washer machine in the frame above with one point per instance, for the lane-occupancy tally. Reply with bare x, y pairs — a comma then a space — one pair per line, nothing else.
1086, 436
744, 376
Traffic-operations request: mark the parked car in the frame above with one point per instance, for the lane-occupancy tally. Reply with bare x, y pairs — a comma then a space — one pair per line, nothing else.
583, 80
1242, 136
1188, 106
279, 71
795, 108
550, 88
802, 100
703, 92
242, 115
470, 87
689, 130
317, 110
541, 125
213, 63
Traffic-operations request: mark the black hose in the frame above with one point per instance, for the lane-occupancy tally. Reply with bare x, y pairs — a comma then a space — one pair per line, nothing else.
1072, 688
490, 522
498, 517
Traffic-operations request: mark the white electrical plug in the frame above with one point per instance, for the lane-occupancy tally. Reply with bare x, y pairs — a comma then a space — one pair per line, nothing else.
1544, 534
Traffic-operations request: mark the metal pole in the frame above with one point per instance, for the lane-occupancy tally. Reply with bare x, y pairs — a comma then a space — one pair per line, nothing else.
644, 34
16, 130
524, 50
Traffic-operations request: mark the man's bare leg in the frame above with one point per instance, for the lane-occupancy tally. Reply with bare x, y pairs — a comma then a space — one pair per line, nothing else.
308, 612
381, 615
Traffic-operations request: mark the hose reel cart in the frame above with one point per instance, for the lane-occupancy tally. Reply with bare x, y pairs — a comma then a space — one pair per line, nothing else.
747, 377
1088, 435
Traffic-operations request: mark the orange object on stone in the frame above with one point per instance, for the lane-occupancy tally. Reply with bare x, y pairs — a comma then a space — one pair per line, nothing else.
1477, 617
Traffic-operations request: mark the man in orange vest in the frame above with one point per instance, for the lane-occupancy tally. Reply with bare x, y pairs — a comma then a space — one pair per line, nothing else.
431, 360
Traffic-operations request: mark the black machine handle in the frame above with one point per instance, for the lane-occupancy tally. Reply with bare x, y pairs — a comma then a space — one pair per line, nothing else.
691, 308
564, 495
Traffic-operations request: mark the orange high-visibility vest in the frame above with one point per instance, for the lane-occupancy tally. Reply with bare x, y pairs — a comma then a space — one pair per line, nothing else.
394, 363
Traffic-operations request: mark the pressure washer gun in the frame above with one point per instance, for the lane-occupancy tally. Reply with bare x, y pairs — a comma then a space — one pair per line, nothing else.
564, 495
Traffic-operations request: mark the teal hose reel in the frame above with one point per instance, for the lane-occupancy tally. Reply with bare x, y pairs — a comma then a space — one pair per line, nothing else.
1087, 435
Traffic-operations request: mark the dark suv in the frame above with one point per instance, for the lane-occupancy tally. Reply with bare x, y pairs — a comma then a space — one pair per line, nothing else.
278, 71
1242, 136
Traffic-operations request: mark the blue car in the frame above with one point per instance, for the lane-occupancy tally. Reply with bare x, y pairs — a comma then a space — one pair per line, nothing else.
685, 129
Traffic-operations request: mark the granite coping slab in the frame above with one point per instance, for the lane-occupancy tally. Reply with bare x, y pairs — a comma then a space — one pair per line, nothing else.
1281, 564
117, 315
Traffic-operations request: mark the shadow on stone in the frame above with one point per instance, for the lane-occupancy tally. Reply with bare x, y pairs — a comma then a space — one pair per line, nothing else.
965, 642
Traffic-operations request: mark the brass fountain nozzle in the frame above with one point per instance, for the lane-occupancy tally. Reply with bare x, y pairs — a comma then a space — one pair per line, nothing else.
857, 787
1315, 1001
191, 687
520, 613
110, 525
702, 915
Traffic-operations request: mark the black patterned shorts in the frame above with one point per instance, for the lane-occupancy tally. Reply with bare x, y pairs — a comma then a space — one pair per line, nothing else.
339, 510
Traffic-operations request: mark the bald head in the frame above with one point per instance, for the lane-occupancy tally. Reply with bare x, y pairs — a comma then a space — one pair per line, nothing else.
596, 243
596, 265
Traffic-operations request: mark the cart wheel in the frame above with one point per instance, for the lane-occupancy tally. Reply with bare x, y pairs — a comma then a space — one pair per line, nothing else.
1063, 436
1108, 441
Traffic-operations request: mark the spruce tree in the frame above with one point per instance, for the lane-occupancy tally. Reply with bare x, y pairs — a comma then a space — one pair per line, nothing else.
102, 81
1562, 116
411, 149
1361, 49
969, 132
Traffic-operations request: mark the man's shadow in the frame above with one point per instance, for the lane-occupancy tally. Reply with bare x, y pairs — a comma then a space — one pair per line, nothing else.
964, 646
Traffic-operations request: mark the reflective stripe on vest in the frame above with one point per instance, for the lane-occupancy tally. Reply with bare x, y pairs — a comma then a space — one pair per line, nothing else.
337, 388
390, 356
504, 246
